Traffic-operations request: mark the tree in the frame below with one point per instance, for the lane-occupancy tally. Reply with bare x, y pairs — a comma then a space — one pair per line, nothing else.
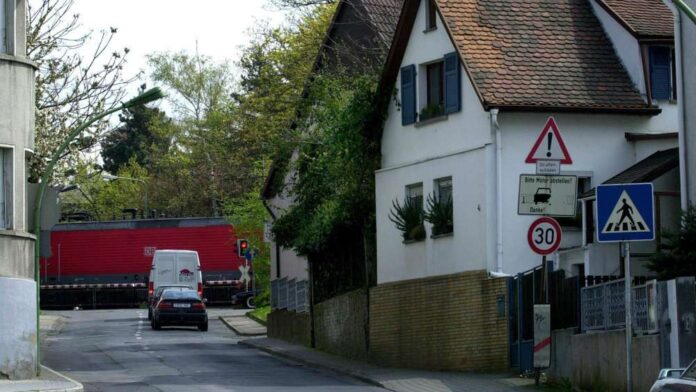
70, 87
678, 254
134, 138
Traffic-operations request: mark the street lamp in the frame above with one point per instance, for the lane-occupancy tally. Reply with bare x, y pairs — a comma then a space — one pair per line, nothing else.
150, 95
108, 176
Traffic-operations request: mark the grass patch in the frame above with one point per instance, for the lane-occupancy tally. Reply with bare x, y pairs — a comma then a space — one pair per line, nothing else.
260, 314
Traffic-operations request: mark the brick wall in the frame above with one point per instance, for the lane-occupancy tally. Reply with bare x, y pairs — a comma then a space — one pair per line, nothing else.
290, 326
339, 325
447, 322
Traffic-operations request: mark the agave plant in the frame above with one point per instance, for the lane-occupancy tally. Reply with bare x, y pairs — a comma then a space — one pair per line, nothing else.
408, 218
440, 213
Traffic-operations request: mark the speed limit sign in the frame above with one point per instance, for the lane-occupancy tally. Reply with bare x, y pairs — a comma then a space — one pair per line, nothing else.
544, 236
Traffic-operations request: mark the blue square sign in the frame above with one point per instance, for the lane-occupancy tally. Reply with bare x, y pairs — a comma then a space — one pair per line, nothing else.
625, 212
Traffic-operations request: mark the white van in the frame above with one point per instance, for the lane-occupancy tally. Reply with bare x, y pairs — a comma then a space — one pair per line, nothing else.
176, 267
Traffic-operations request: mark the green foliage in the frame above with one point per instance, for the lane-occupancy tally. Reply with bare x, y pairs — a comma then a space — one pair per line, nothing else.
72, 84
431, 111
248, 216
134, 138
334, 181
260, 314
678, 254
408, 218
439, 213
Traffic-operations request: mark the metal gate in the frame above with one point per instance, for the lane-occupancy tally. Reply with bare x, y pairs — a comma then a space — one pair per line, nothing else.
524, 290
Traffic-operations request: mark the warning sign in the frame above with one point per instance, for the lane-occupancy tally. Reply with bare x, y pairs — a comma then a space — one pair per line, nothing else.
549, 146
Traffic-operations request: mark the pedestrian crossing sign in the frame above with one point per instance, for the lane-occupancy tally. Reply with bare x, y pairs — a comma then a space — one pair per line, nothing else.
625, 212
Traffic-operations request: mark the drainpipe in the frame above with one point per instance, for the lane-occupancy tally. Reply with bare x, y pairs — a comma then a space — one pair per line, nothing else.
495, 132
683, 173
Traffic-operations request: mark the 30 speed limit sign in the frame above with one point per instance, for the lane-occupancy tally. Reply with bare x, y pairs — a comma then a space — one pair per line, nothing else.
544, 236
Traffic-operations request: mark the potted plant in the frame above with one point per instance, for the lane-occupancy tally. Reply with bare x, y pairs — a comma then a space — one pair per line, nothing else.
431, 111
440, 214
408, 218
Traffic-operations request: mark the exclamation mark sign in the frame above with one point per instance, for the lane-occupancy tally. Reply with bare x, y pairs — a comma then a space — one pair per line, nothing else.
549, 139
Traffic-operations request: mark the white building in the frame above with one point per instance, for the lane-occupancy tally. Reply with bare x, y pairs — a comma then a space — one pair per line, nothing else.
18, 334
476, 83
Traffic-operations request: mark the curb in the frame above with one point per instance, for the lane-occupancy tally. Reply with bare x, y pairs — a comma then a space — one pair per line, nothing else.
77, 388
258, 320
356, 375
235, 330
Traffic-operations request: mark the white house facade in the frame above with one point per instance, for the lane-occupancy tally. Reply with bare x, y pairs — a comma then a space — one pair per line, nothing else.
604, 85
18, 333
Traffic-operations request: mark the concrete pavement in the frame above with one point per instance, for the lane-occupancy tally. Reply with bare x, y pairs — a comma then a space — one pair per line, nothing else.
398, 380
243, 325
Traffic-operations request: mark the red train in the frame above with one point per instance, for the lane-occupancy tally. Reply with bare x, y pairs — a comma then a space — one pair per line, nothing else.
121, 251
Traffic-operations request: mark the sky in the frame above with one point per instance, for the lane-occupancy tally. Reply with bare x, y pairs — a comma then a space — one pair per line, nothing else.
220, 27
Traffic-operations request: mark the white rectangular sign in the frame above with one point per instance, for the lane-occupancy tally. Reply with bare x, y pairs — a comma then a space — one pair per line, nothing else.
548, 167
548, 195
542, 336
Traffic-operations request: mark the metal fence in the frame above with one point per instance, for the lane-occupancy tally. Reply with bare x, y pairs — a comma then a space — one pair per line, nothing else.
603, 307
290, 294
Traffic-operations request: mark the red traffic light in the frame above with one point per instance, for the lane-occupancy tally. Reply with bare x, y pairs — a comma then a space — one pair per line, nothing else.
242, 247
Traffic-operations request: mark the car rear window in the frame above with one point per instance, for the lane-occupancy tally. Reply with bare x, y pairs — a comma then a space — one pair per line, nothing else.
177, 294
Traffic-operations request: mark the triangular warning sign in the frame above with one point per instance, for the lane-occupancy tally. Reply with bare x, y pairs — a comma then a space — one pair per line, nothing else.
550, 146
625, 218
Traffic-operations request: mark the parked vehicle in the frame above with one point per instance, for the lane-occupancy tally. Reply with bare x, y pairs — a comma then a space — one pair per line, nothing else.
152, 301
178, 267
180, 306
244, 298
669, 381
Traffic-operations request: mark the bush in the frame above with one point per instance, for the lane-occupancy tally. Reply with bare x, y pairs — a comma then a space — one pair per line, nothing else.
439, 213
408, 219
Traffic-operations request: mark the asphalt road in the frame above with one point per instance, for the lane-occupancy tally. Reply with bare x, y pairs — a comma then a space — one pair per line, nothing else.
116, 350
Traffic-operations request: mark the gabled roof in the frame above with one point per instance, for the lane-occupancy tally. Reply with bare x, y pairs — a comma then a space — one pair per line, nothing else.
643, 18
366, 26
531, 55
647, 170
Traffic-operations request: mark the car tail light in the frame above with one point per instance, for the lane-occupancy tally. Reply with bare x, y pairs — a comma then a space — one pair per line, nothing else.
198, 305
200, 290
164, 305
151, 288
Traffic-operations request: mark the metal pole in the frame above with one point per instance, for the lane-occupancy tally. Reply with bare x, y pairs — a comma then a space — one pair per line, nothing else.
546, 280
629, 331
686, 9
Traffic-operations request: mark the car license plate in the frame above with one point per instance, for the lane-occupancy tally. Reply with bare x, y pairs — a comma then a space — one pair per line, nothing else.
182, 305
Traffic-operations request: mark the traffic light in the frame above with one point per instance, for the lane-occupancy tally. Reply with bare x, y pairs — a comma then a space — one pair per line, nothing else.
242, 247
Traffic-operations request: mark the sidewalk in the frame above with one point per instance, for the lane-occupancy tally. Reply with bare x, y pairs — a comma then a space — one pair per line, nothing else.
50, 380
398, 380
243, 325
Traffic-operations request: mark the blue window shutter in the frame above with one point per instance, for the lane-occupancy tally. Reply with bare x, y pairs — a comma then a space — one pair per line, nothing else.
660, 72
453, 83
408, 94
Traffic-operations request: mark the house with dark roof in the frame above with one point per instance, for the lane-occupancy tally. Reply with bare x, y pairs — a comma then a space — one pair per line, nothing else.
358, 38
476, 84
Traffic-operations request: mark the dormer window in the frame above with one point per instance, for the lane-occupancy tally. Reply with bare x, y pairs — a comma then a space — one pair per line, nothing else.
431, 16
662, 72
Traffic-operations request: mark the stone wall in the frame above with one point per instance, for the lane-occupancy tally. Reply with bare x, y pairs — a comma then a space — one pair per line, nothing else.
597, 360
290, 326
452, 322
339, 325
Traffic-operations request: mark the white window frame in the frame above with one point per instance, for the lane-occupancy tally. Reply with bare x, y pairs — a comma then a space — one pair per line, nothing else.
410, 194
7, 185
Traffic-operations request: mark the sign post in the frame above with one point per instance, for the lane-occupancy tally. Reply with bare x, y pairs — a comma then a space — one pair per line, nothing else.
625, 213
548, 194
